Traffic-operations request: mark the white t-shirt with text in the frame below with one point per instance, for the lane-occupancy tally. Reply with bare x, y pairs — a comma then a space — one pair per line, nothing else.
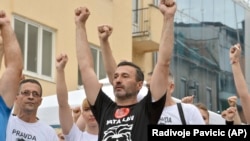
75, 134
170, 115
19, 130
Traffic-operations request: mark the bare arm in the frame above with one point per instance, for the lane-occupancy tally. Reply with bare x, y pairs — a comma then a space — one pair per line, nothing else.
237, 119
81, 123
78, 118
232, 101
84, 57
65, 117
13, 60
240, 81
104, 32
159, 78
76, 113
188, 99
1, 49
229, 114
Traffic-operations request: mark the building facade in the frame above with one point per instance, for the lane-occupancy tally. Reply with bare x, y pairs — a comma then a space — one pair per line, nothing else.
204, 32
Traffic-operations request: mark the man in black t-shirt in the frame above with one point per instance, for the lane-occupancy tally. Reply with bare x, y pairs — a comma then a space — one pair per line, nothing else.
125, 119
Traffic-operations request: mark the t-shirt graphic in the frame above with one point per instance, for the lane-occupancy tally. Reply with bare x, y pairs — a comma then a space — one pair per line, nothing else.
21, 136
19, 130
120, 132
20, 140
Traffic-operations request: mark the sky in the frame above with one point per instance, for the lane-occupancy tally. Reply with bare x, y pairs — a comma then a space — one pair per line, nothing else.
223, 11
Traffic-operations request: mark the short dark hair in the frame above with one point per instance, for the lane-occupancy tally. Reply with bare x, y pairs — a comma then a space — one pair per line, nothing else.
139, 73
31, 81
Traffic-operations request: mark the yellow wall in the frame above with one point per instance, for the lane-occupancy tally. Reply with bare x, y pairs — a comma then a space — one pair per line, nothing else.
155, 25
59, 15
122, 39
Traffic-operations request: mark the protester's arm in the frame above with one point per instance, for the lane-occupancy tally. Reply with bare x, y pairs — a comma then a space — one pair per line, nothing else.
188, 99
232, 101
159, 80
237, 119
9, 81
240, 82
76, 113
229, 115
65, 117
80, 123
104, 32
84, 57
1, 49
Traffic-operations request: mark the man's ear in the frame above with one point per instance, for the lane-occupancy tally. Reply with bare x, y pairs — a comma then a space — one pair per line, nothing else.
40, 101
140, 84
172, 87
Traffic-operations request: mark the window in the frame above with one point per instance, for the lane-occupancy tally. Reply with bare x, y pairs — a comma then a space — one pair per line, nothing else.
209, 98
135, 7
98, 64
36, 42
196, 95
156, 2
135, 15
183, 88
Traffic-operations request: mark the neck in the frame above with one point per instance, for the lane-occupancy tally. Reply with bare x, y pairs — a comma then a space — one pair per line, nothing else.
126, 101
169, 101
92, 129
27, 117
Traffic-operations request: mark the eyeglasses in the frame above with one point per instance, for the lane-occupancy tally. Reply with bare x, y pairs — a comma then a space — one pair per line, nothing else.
27, 93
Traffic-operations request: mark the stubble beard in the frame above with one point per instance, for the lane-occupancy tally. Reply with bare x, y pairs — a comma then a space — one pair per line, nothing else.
123, 96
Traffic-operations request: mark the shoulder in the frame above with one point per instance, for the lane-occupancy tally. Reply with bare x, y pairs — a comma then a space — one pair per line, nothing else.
3, 107
189, 107
14, 119
45, 126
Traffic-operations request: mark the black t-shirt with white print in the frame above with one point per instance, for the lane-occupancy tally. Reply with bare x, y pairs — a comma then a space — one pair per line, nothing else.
126, 123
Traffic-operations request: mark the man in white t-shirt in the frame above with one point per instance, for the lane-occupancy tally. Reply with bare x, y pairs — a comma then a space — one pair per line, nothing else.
25, 126
185, 114
191, 115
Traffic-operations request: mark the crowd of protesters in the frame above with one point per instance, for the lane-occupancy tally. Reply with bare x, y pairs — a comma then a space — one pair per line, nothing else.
99, 117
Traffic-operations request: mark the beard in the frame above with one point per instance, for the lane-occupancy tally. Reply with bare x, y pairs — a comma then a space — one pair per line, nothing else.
122, 95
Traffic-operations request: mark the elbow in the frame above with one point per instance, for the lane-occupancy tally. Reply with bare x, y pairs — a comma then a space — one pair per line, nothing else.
63, 106
16, 64
85, 64
165, 64
83, 67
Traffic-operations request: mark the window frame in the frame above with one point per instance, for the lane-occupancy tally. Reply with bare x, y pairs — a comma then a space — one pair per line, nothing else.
40, 29
209, 98
96, 65
156, 2
183, 83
